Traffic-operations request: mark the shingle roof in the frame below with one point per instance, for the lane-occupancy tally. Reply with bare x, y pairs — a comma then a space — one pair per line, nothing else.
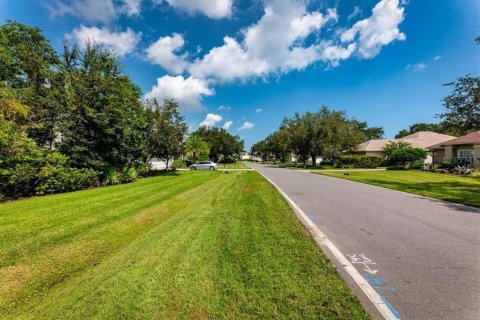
473, 137
372, 145
421, 139
424, 139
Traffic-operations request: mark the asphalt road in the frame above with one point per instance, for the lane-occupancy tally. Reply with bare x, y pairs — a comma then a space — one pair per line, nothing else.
422, 255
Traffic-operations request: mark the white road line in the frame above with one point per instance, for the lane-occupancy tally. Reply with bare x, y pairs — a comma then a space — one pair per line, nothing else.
322, 239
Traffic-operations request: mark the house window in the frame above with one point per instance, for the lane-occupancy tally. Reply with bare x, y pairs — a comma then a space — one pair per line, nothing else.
466, 155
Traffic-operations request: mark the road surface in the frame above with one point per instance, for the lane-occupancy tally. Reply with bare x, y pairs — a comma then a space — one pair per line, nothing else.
421, 255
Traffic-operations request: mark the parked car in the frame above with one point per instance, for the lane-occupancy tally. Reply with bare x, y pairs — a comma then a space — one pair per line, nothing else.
204, 165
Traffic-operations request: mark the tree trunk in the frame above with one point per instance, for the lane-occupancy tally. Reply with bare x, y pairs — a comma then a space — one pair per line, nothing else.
314, 160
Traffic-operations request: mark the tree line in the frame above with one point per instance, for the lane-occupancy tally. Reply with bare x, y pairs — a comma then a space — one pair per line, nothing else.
72, 120
326, 133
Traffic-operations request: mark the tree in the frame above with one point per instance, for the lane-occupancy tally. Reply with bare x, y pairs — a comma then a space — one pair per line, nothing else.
462, 106
223, 145
196, 146
29, 65
105, 123
369, 132
167, 130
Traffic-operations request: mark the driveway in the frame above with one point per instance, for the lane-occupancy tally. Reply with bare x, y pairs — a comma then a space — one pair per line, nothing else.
421, 255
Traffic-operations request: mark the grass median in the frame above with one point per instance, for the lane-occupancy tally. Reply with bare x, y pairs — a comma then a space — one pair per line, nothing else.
463, 190
198, 245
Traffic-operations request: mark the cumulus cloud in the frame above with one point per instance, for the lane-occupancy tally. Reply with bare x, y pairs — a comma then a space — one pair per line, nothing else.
88, 10
437, 58
211, 8
211, 120
227, 125
258, 110
246, 125
188, 92
380, 29
333, 54
163, 52
275, 44
120, 43
226, 108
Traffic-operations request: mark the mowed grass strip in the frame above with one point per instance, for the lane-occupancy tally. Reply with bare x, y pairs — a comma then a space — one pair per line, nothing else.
198, 245
463, 190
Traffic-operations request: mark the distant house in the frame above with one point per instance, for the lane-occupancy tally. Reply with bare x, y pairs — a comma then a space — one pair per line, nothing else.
420, 139
466, 148
157, 164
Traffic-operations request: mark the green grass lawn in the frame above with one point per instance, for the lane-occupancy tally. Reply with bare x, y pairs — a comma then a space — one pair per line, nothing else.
236, 165
464, 190
198, 245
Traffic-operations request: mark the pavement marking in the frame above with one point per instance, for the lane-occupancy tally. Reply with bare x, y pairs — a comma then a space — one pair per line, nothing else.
385, 308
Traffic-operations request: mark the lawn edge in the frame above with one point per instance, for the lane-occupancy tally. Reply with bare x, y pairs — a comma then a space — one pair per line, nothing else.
409, 193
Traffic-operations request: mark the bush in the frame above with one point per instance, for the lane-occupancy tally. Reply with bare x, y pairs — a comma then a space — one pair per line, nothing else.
65, 179
111, 176
359, 161
179, 164
407, 158
129, 174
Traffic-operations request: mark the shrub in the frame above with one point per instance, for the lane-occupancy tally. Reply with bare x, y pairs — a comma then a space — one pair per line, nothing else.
129, 174
111, 176
65, 179
359, 161
179, 164
462, 170
406, 158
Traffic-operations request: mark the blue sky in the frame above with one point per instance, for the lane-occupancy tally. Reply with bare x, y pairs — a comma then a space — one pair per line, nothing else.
245, 64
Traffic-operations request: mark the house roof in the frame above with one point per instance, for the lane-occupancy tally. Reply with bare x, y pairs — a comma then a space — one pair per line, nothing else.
424, 139
421, 139
473, 137
372, 145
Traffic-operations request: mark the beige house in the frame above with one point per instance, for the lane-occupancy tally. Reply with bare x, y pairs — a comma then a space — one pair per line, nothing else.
421, 139
466, 148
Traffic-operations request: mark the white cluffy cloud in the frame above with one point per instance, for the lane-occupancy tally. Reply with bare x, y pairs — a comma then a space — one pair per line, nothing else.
380, 29
163, 52
227, 125
188, 92
226, 108
132, 7
258, 110
211, 8
437, 58
277, 43
211, 120
246, 125
121, 43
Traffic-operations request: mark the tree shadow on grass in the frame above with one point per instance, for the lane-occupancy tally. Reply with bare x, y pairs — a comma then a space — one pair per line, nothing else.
453, 191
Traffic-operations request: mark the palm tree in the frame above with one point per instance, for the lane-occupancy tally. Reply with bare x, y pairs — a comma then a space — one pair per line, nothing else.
196, 146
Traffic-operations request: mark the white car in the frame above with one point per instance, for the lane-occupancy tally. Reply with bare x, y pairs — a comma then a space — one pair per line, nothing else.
204, 165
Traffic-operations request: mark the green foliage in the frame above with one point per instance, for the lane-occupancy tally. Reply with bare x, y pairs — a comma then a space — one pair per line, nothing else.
110, 176
129, 174
105, 122
462, 106
167, 130
392, 146
223, 145
359, 161
179, 164
65, 179
407, 158
196, 146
